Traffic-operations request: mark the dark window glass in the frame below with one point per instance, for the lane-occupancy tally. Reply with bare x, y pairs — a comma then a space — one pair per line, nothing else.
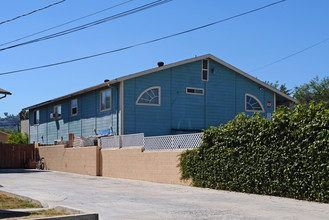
205, 64
205, 74
106, 100
74, 107
252, 104
36, 117
150, 96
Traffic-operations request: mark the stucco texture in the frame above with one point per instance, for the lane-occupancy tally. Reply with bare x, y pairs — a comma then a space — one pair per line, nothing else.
84, 160
133, 163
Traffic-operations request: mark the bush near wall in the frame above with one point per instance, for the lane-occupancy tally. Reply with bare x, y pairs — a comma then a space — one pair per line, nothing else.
287, 156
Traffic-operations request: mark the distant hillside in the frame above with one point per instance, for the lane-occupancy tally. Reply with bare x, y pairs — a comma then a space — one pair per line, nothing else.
9, 122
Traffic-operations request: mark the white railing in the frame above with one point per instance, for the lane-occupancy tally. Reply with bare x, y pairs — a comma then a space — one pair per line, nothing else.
168, 142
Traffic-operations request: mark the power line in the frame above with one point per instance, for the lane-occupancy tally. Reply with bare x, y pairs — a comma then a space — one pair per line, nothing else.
100, 21
143, 43
291, 55
60, 25
48, 6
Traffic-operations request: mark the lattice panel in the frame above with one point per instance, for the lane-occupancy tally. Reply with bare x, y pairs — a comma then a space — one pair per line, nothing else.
83, 142
110, 142
132, 140
173, 142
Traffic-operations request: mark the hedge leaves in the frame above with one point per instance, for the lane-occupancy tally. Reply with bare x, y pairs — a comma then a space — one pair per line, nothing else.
287, 156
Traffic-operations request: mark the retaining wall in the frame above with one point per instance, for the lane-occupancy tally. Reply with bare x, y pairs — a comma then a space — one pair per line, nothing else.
127, 163
84, 160
132, 163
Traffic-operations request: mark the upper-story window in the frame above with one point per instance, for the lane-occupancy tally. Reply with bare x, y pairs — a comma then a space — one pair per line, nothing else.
36, 117
57, 112
150, 96
253, 104
74, 107
205, 70
105, 97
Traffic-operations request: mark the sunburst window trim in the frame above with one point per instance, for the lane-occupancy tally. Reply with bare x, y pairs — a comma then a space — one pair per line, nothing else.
145, 91
259, 102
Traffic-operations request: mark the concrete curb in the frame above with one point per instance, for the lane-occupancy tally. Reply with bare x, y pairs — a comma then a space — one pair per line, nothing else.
75, 213
41, 203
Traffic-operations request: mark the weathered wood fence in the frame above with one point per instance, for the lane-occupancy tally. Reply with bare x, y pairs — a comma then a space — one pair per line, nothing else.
14, 156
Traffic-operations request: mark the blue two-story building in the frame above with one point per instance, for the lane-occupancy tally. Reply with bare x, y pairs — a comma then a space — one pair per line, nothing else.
182, 97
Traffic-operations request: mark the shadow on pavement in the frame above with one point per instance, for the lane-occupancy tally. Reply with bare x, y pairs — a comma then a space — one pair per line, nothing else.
12, 214
21, 171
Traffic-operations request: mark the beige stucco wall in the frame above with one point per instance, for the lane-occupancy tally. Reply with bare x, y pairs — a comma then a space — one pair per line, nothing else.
25, 126
132, 163
84, 160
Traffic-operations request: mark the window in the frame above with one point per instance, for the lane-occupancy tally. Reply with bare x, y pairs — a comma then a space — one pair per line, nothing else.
74, 107
105, 100
58, 111
253, 104
205, 70
150, 96
36, 117
194, 91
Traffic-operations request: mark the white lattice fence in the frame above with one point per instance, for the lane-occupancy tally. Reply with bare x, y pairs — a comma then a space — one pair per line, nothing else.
168, 142
110, 142
173, 142
132, 140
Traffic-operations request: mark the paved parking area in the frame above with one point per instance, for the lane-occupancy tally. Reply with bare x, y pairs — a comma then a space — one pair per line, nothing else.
130, 199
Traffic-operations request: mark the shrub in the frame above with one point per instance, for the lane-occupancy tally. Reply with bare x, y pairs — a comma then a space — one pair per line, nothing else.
17, 137
286, 156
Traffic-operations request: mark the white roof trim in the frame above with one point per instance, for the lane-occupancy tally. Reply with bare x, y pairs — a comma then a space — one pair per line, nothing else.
207, 56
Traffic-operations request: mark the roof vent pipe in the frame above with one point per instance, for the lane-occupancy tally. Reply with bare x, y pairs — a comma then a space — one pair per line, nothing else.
160, 63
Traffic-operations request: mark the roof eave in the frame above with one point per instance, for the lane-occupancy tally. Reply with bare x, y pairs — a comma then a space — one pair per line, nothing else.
71, 95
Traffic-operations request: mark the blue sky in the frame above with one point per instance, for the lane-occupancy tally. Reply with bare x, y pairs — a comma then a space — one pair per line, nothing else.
246, 42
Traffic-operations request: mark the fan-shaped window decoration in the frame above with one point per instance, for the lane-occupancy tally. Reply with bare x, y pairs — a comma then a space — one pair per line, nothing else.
150, 96
253, 104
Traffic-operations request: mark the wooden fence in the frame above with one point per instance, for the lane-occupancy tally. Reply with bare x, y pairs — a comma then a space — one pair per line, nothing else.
14, 156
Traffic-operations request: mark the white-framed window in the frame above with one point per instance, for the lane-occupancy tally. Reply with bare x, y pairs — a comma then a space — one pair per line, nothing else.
74, 107
105, 100
194, 91
150, 96
57, 111
205, 70
36, 117
252, 104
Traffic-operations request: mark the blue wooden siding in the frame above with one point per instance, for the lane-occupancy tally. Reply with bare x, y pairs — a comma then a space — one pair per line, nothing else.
223, 99
84, 124
179, 112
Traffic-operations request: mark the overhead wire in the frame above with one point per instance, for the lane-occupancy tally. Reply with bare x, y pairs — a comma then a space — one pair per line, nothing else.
291, 55
32, 12
143, 43
68, 22
100, 21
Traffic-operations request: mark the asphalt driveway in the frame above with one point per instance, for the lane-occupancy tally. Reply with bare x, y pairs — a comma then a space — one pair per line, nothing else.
130, 199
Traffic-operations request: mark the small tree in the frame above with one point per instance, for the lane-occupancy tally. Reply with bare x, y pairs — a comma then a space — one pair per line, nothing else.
17, 137
281, 87
316, 90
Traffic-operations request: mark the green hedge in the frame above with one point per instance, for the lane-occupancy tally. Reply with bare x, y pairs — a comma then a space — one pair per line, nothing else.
287, 156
